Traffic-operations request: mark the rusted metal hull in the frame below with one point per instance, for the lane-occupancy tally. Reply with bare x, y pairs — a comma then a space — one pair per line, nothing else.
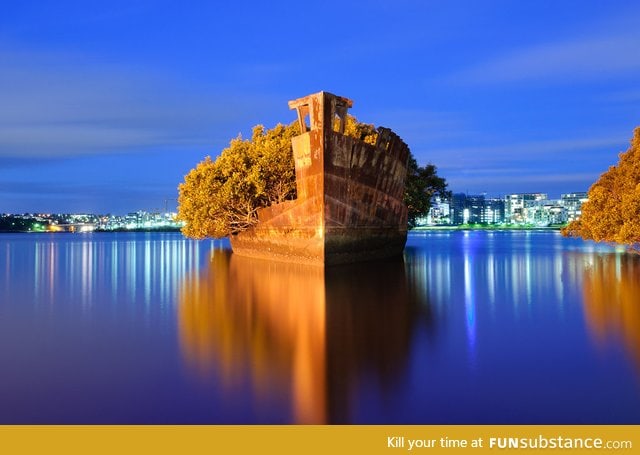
350, 204
343, 247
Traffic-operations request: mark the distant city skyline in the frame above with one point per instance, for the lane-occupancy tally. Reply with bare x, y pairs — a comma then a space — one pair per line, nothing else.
538, 196
173, 208
104, 107
516, 209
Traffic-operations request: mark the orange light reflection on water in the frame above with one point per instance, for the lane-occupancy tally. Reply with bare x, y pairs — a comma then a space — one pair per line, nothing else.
272, 314
308, 331
611, 293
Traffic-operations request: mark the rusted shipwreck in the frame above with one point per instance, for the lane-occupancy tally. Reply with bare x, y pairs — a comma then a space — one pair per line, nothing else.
349, 204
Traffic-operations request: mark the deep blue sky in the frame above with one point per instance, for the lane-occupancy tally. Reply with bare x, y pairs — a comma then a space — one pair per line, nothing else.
105, 106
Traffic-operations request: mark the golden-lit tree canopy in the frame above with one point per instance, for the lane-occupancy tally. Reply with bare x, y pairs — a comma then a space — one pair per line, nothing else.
361, 131
222, 197
422, 183
612, 213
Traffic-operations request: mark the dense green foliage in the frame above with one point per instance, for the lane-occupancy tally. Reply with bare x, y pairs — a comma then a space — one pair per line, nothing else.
422, 185
222, 197
612, 213
9, 223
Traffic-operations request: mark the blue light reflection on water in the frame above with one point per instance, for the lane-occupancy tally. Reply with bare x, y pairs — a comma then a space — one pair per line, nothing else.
473, 327
534, 304
87, 327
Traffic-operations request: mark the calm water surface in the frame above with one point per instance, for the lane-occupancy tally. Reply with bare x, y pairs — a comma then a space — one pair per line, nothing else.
472, 327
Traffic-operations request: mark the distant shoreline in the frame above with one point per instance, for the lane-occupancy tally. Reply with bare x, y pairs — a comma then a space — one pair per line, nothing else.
487, 228
96, 231
416, 229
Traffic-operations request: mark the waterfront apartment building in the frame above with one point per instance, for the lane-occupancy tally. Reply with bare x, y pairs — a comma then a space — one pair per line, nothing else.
545, 212
458, 205
440, 212
516, 206
467, 209
534, 209
494, 211
573, 203
477, 209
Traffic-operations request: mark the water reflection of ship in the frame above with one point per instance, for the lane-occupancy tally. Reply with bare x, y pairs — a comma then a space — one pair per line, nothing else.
612, 301
310, 332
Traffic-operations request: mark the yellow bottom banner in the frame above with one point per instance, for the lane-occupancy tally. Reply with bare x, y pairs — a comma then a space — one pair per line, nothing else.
332, 440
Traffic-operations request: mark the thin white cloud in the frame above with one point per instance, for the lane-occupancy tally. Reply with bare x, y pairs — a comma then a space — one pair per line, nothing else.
44, 196
522, 181
55, 105
589, 58
506, 154
623, 97
517, 166
38, 140
524, 176
417, 126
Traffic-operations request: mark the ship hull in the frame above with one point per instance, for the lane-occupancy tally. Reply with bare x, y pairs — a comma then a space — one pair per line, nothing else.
349, 205
337, 247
